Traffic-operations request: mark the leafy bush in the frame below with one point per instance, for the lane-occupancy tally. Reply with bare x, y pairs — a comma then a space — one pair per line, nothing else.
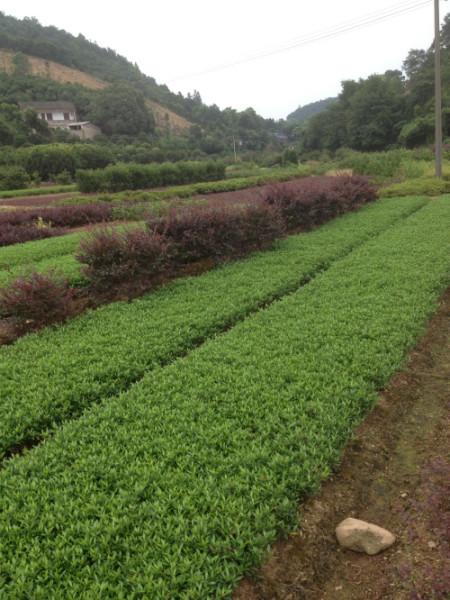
59, 216
63, 178
113, 258
38, 191
134, 176
17, 234
52, 159
13, 177
36, 300
22, 226
200, 232
427, 186
310, 202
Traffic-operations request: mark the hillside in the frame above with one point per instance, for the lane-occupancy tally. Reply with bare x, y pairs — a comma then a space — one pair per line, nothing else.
39, 67
80, 60
303, 113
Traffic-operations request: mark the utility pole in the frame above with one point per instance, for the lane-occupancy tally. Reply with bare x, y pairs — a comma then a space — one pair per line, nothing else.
438, 90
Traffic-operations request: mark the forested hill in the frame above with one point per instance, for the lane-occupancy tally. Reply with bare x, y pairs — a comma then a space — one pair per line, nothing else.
214, 126
395, 108
303, 113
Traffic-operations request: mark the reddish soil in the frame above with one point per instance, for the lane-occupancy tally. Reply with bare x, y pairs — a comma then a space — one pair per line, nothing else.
395, 473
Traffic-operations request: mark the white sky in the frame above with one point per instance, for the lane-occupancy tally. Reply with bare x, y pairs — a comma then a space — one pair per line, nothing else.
173, 38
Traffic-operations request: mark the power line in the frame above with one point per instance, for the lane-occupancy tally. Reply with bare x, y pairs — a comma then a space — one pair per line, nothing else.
345, 27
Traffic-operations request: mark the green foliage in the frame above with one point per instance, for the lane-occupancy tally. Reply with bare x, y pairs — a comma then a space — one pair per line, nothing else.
289, 156
216, 128
133, 177
40, 191
63, 178
382, 165
21, 64
18, 128
13, 177
162, 325
176, 488
120, 109
384, 110
417, 132
303, 113
52, 159
428, 186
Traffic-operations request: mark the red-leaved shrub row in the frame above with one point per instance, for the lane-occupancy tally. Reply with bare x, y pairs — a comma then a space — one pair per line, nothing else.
113, 257
134, 258
204, 232
312, 201
37, 300
17, 234
19, 226
216, 232
59, 216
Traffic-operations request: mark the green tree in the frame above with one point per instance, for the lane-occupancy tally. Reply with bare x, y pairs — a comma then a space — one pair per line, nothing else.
120, 109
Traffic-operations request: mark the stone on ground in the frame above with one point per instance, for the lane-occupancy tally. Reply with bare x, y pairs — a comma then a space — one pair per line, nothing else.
361, 536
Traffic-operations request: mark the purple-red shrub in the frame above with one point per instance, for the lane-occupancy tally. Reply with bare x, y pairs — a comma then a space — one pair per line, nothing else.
25, 225
17, 234
201, 232
36, 300
59, 216
113, 258
312, 201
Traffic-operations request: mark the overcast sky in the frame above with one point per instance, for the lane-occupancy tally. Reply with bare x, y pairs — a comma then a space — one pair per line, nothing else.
174, 40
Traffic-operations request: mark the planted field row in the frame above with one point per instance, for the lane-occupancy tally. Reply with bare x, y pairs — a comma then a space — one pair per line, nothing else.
176, 488
194, 189
52, 375
40, 191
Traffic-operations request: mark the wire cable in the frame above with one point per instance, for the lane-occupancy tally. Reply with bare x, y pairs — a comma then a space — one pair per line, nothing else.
345, 27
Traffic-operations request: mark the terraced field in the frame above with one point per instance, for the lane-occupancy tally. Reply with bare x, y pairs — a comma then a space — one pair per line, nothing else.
183, 428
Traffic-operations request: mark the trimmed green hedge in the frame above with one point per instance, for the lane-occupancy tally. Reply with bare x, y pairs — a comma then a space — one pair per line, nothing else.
104, 351
41, 191
175, 489
115, 178
427, 186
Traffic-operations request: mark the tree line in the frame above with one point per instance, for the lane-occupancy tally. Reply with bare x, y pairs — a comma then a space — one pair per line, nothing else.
382, 111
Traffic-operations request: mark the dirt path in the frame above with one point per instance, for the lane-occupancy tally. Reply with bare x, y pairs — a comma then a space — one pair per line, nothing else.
396, 473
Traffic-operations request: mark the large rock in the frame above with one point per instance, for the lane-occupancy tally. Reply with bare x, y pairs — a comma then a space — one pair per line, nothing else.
361, 536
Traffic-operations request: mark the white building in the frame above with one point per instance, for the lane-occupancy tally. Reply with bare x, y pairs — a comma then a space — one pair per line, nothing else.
62, 115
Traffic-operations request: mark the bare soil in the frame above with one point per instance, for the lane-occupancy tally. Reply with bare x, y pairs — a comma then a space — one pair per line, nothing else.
395, 472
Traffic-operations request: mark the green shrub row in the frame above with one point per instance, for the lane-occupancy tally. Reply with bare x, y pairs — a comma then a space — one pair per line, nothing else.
40, 191
193, 189
116, 178
56, 373
47, 160
429, 186
13, 177
176, 488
